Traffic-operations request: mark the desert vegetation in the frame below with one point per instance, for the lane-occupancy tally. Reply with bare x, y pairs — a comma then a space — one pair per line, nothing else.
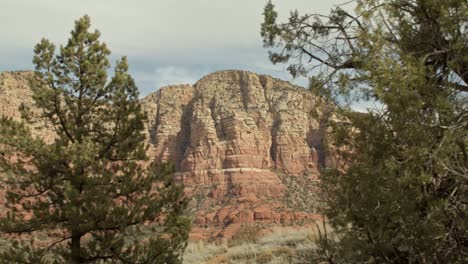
401, 198
279, 245
264, 171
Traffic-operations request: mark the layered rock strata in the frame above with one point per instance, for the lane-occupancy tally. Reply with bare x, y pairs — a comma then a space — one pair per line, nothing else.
232, 128
228, 135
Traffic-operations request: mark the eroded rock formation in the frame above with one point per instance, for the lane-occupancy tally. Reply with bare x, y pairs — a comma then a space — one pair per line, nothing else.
234, 122
228, 135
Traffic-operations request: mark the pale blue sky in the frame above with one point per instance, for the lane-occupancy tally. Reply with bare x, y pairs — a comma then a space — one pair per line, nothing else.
166, 41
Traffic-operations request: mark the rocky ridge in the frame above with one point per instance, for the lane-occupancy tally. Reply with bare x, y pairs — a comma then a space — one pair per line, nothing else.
230, 135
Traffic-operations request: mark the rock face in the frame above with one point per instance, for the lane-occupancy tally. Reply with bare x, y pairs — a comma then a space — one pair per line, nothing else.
16, 93
228, 135
234, 122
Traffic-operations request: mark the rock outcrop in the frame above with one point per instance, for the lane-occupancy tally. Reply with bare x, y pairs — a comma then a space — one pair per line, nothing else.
235, 122
16, 94
228, 135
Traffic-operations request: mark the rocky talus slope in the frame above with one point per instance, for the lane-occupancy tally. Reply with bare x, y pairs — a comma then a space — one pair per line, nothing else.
231, 136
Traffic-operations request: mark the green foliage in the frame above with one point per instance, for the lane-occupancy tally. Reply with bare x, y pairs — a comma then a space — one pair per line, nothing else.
89, 190
302, 193
402, 198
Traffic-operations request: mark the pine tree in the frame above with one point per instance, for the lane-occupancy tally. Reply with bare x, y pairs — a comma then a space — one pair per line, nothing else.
88, 196
402, 196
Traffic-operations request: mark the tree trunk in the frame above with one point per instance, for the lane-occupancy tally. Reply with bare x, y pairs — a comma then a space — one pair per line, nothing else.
76, 248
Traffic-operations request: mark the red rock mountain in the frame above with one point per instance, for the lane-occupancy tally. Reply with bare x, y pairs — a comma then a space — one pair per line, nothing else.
248, 147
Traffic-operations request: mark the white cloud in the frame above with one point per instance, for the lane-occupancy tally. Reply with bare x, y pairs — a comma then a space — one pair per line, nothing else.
189, 38
170, 75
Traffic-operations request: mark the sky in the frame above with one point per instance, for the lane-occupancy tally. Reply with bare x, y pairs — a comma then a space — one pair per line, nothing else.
166, 41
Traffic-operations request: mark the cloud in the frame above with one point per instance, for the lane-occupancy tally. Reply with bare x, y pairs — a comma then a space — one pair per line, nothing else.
164, 75
170, 75
156, 27
166, 41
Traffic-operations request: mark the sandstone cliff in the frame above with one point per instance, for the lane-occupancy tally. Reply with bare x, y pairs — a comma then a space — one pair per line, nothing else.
231, 136
234, 120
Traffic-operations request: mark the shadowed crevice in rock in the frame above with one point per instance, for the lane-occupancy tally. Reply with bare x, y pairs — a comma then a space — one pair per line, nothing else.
316, 140
166, 121
157, 119
265, 82
219, 124
274, 143
244, 89
183, 136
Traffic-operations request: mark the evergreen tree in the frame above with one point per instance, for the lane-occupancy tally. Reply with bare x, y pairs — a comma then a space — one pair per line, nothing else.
402, 197
88, 196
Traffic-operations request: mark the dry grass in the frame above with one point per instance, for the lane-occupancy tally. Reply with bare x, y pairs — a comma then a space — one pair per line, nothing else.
281, 246
201, 252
